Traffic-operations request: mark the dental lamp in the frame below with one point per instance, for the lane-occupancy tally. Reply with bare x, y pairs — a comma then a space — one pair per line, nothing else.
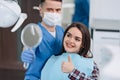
10, 14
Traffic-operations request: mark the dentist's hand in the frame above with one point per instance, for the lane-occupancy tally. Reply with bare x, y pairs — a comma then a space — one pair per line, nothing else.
67, 67
28, 55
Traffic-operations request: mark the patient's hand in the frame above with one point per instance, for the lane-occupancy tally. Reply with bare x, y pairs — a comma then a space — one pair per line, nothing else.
67, 67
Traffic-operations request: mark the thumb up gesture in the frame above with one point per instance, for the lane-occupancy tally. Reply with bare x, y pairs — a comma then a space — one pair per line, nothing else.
68, 66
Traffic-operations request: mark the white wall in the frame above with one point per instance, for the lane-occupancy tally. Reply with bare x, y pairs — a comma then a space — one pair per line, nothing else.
105, 9
68, 10
105, 14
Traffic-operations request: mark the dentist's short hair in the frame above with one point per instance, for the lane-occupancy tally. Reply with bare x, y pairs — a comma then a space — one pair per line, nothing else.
42, 1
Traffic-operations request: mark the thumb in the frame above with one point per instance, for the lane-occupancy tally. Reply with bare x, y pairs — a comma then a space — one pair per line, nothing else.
69, 59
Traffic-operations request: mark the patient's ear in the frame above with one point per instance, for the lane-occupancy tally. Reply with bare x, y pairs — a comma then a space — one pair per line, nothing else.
82, 46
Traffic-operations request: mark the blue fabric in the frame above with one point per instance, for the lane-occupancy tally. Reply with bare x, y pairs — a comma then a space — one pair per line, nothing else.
52, 69
49, 46
81, 13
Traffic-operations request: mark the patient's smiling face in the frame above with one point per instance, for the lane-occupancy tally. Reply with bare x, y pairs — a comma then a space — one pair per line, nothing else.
73, 40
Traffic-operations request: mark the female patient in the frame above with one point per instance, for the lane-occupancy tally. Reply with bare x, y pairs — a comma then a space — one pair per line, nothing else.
75, 62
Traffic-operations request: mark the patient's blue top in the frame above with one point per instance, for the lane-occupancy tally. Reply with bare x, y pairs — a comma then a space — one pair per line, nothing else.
52, 69
49, 46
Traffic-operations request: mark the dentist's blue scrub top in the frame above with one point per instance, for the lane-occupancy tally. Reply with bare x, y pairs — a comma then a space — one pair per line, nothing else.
52, 69
49, 46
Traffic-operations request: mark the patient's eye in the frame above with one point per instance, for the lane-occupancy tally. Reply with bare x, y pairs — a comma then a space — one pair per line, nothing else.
69, 35
77, 39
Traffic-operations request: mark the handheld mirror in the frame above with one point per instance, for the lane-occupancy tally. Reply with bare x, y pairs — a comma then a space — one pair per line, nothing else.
31, 37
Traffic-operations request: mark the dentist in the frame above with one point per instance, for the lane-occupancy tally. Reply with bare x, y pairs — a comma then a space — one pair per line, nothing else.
50, 11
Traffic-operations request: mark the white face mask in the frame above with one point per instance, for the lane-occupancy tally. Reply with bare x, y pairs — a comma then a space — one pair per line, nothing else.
52, 19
